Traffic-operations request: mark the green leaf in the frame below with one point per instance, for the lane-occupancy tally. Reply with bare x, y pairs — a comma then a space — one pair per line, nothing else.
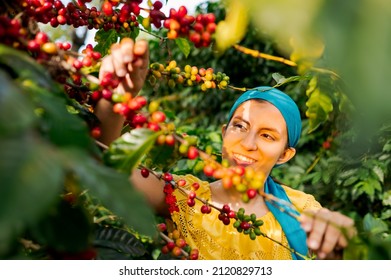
161, 157
368, 187
113, 189
104, 40
119, 244
61, 127
374, 225
23, 67
319, 106
14, 106
31, 180
184, 45
281, 80
127, 151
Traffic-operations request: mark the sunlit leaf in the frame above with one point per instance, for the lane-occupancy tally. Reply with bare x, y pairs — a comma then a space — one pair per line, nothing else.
104, 40
233, 28
319, 106
127, 151
184, 45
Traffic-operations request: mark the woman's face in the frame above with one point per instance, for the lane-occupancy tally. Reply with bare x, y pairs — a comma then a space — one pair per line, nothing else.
256, 136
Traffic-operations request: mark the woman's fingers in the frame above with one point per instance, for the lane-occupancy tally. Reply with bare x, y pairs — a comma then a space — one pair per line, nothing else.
327, 231
117, 58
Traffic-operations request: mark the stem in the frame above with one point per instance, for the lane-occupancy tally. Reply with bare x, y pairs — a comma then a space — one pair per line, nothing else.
256, 53
154, 35
100, 144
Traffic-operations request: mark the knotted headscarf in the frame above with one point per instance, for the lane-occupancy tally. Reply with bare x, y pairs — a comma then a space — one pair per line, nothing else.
289, 110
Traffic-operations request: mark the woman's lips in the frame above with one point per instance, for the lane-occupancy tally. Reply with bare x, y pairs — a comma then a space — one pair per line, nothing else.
242, 160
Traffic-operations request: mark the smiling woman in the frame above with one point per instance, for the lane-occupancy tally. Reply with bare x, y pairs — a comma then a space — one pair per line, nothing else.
263, 128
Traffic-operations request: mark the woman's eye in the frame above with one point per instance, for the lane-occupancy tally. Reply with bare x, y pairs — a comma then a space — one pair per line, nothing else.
267, 136
240, 126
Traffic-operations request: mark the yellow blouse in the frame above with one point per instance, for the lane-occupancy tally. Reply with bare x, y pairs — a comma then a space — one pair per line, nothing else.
216, 241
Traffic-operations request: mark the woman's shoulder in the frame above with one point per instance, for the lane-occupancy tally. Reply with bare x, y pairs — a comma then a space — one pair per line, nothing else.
301, 200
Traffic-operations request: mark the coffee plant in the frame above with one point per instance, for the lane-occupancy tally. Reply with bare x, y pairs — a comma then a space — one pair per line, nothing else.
65, 195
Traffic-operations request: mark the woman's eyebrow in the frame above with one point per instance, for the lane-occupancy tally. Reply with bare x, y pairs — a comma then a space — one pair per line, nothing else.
241, 119
271, 129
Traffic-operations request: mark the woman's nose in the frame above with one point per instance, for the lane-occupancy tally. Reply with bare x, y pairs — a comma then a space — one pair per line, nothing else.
248, 142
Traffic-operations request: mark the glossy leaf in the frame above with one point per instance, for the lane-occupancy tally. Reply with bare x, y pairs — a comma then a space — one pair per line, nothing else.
113, 189
127, 151
184, 45
319, 106
113, 243
104, 40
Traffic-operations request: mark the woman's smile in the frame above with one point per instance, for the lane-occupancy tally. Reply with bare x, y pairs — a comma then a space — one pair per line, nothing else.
242, 159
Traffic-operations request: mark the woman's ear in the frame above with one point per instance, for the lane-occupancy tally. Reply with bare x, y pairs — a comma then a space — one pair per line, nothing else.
223, 129
287, 155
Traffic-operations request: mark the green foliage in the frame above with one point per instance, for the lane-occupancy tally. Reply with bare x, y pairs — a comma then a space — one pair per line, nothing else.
47, 152
126, 152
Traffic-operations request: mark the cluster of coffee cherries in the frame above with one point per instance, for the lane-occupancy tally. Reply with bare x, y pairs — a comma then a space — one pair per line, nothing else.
110, 16
188, 76
198, 29
175, 244
244, 179
12, 33
247, 224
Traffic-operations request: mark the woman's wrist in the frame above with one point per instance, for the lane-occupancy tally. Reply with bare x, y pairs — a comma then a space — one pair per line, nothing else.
111, 122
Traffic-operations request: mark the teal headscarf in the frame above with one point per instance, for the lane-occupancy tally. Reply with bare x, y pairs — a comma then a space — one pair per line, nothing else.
289, 110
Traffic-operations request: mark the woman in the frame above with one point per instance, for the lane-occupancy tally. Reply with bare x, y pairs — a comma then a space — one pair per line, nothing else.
263, 128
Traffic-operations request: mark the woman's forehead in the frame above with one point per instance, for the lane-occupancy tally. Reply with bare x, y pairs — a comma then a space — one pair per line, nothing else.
257, 107
260, 112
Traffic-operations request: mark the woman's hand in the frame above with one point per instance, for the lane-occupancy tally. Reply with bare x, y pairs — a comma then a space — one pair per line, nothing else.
328, 232
128, 61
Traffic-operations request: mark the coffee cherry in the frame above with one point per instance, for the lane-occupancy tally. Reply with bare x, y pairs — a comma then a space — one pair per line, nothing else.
226, 208
194, 254
190, 202
195, 186
192, 152
167, 177
181, 183
158, 117
145, 172
170, 245
192, 195
96, 132
206, 209
251, 193
162, 227
170, 140
245, 225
